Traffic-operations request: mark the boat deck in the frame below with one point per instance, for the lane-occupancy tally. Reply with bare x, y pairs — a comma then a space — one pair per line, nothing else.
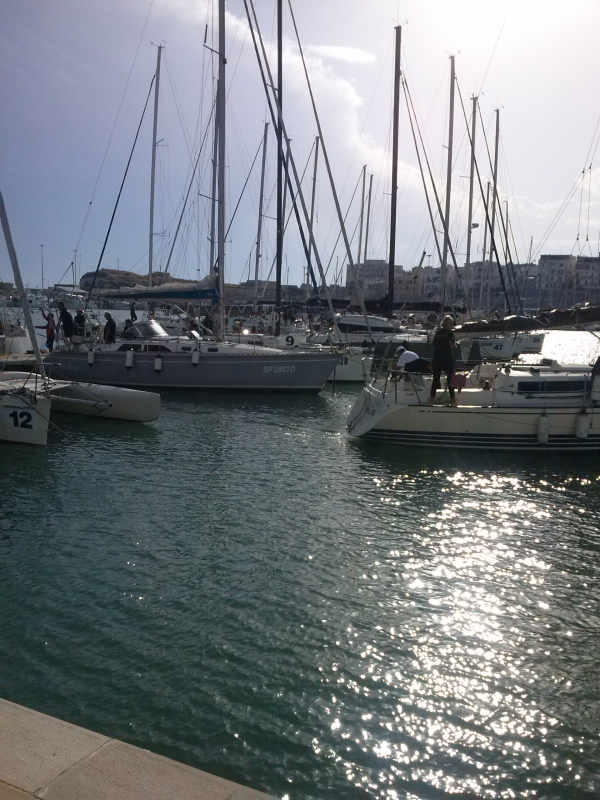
44, 757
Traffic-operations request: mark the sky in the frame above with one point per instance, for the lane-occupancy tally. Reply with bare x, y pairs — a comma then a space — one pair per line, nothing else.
76, 75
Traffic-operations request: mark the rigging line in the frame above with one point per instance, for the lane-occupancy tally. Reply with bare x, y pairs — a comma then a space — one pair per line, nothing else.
345, 217
493, 248
289, 216
114, 126
119, 195
556, 217
437, 199
587, 229
493, 53
267, 80
243, 188
431, 216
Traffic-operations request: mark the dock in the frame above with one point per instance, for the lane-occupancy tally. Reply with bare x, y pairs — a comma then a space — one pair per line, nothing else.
44, 757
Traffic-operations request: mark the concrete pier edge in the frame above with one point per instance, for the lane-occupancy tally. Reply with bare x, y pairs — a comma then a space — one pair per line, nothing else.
45, 757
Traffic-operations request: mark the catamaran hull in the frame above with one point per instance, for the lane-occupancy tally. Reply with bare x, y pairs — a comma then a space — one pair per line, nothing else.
473, 427
24, 419
167, 370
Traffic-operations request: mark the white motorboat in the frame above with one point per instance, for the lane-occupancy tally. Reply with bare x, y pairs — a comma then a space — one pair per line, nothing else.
547, 407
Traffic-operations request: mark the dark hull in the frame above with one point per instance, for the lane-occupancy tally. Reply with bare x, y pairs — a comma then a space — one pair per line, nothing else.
255, 373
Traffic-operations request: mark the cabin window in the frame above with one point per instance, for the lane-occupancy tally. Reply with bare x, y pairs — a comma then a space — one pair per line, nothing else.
531, 387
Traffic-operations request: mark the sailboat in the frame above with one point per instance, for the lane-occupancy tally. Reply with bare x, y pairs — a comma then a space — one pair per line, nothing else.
27, 398
154, 359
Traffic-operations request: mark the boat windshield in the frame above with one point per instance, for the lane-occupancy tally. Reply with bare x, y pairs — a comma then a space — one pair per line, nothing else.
149, 329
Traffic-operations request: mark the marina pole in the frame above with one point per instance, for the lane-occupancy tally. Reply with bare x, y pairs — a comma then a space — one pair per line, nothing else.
471, 180
42, 254
221, 172
153, 170
396, 114
443, 272
280, 221
260, 214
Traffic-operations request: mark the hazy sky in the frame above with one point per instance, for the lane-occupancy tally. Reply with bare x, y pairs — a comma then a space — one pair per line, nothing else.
76, 73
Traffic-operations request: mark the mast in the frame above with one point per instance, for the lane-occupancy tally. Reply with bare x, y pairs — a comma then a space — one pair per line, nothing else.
362, 212
495, 180
153, 171
221, 172
280, 220
443, 273
260, 213
213, 194
12, 254
484, 267
368, 218
471, 180
312, 209
396, 112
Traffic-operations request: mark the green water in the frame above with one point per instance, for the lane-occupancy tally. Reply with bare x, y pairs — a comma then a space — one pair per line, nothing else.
241, 587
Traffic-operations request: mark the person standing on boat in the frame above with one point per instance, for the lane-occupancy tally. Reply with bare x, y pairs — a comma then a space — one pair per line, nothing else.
444, 345
132, 313
79, 323
66, 320
110, 328
50, 328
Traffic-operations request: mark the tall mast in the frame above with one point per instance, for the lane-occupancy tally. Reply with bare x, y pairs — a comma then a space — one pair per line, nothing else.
443, 273
312, 209
221, 171
153, 171
368, 218
495, 179
396, 112
280, 221
362, 213
471, 180
213, 194
260, 213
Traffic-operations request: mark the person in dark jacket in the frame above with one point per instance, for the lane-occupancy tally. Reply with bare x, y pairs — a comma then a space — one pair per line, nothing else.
66, 321
444, 345
79, 323
110, 327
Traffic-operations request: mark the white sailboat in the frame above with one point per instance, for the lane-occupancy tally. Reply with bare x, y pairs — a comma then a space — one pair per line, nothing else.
26, 398
518, 407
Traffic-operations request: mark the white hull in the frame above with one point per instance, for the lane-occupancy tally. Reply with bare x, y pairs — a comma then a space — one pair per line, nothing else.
92, 400
24, 417
352, 367
518, 411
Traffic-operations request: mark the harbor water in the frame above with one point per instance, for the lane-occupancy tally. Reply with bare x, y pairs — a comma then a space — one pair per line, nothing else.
243, 588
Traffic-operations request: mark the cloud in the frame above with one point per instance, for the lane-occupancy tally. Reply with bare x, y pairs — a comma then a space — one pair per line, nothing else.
352, 55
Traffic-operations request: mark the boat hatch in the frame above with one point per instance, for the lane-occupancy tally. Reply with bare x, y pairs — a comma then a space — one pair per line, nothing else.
149, 329
543, 387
